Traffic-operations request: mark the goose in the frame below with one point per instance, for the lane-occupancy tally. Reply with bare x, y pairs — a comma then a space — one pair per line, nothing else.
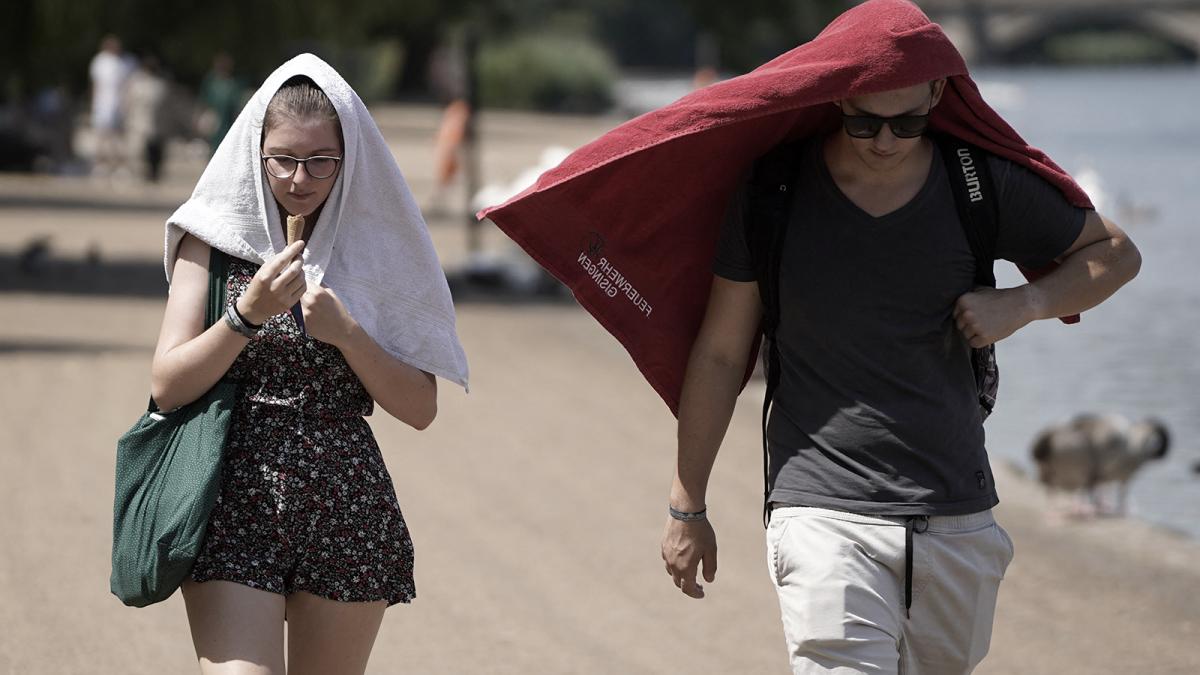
1094, 449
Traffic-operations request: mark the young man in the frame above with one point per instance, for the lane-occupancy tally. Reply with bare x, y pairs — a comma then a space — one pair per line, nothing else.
875, 426
875, 436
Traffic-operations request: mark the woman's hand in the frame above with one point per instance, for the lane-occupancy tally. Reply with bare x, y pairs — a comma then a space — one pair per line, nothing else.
325, 317
276, 287
405, 392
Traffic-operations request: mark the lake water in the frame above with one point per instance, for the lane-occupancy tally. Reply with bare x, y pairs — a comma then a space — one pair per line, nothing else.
1132, 138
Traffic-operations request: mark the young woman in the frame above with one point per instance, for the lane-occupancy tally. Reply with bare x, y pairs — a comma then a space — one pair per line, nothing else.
307, 526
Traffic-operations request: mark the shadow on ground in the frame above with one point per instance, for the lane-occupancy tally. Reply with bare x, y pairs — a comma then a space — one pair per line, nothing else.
476, 288
140, 204
52, 347
36, 269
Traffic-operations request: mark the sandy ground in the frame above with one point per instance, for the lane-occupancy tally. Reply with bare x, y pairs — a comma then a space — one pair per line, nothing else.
536, 501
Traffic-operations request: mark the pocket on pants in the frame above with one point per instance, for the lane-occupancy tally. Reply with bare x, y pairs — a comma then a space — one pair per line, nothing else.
951, 626
775, 533
834, 582
1008, 548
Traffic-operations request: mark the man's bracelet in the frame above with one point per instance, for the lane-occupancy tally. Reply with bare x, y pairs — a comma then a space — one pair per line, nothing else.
238, 324
702, 514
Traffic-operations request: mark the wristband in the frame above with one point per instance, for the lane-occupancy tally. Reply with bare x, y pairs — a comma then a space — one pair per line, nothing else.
686, 517
243, 319
237, 324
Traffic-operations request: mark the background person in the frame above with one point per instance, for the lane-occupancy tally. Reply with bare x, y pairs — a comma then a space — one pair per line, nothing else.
147, 114
109, 73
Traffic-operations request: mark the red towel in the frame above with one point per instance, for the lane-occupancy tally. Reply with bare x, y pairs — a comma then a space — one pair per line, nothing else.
630, 221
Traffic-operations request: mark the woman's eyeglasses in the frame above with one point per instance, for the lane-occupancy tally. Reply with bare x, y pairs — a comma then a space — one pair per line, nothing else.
317, 166
868, 126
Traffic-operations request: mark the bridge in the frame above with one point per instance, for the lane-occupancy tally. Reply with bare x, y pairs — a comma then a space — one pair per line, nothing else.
1012, 31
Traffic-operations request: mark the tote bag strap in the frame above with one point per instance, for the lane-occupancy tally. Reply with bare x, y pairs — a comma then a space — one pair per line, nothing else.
218, 278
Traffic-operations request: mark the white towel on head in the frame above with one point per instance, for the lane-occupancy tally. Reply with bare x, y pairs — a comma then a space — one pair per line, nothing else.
370, 243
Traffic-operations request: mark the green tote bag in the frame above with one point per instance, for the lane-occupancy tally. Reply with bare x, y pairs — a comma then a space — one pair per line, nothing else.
168, 476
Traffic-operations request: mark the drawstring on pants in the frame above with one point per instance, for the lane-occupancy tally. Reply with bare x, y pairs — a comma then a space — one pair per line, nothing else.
918, 524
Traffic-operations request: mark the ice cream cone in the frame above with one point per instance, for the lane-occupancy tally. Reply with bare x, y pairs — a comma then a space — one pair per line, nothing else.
295, 228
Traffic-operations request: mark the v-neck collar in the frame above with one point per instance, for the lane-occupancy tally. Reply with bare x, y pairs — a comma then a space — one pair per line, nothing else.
895, 215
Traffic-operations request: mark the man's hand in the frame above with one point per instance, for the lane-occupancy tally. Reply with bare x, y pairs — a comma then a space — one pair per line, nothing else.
987, 315
684, 546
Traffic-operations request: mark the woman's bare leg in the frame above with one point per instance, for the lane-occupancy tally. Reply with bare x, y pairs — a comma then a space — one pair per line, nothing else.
327, 637
237, 630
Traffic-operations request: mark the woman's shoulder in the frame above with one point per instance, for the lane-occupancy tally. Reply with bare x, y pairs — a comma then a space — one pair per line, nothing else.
194, 248
192, 253
196, 251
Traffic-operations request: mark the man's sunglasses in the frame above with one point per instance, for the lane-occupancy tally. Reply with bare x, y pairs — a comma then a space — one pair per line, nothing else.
868, 126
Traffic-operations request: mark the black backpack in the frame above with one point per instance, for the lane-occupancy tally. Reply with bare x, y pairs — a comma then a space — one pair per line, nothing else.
768, 208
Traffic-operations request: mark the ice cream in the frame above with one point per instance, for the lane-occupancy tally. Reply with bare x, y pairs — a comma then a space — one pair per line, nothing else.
295, 228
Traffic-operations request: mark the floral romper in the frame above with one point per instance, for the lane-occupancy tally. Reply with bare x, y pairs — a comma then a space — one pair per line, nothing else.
306, 502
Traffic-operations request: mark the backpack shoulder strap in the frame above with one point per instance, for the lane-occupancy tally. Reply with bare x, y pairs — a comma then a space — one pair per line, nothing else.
978, 212
768, 205
768, 208
975, 197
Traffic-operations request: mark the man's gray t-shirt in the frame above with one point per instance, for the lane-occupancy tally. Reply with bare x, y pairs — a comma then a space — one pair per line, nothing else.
876, 409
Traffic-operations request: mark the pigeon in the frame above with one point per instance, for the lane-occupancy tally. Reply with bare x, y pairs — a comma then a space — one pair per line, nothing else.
1092, 450
32, 259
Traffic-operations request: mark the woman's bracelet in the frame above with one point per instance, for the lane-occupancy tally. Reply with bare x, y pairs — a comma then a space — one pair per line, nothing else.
702, 514
238, 324
255, 326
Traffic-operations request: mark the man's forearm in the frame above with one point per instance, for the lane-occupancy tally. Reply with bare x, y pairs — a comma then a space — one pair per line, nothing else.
706, 404
1084, 279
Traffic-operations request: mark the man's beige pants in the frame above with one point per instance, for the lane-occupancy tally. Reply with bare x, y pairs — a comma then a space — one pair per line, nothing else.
841, 576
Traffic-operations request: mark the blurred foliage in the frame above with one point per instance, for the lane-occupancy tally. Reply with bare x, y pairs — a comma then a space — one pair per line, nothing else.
50, 42
546, 71
663, 33
751, 32
1101, 46
1109, 48
384, 47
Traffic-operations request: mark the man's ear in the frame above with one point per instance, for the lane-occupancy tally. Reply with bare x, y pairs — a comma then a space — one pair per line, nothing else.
937, 87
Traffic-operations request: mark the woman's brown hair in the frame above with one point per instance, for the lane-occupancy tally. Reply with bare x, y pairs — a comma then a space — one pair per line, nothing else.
300, 99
